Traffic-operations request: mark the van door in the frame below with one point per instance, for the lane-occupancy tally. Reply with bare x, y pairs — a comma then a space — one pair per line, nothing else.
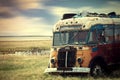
110, 46
104, 46
117, 43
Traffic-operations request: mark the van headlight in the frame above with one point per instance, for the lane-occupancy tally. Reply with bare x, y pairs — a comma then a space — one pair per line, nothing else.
79, 60
53, 61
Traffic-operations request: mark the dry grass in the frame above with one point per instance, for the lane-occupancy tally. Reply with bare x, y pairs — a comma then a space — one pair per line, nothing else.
31, 67
13, 67
22, 67
24, 45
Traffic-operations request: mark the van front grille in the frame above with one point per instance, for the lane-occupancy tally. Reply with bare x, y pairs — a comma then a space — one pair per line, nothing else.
70, 57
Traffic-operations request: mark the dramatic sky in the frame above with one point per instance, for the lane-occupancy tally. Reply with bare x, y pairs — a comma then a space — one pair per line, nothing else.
37, 17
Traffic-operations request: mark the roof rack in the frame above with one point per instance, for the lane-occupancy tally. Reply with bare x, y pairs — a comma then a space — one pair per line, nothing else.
68, 15
89, 14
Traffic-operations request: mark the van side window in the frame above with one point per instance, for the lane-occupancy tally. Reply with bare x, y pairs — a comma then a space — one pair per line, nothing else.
109, 34
101, 35
117, 33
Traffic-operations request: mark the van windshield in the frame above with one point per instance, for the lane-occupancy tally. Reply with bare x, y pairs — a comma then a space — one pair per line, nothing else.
70, 38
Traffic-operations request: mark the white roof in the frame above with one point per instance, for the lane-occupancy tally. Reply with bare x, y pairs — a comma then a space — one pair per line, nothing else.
85, 22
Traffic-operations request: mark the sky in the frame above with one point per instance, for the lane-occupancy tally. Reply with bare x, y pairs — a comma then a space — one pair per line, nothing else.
37, 17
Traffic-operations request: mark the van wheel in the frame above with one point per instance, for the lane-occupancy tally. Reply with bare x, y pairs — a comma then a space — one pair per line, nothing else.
98, 69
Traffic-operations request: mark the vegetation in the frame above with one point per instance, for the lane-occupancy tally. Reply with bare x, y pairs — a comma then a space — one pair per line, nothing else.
31, 67
14, 67
8, 47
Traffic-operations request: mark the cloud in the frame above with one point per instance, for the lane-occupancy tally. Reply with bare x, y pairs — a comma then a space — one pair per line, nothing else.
10, 8
24, 26
59, 11
34, 17
27, 4
6, 12
110, 6
48, 17
116, 3
13, 22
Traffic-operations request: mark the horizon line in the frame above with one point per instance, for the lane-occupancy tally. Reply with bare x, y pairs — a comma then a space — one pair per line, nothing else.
26, 36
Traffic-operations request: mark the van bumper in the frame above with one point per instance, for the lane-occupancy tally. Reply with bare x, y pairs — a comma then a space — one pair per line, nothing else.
68, 70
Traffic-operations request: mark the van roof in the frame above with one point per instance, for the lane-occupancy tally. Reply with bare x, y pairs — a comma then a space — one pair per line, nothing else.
85, 22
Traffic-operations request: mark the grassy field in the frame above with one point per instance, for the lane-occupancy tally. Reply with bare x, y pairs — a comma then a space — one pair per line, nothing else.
12, 46
14, 67
31, 67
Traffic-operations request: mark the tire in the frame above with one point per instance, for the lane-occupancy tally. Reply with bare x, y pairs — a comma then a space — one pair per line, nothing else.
98, 68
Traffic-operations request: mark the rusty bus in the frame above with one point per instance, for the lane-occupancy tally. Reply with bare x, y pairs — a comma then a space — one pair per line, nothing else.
85, 43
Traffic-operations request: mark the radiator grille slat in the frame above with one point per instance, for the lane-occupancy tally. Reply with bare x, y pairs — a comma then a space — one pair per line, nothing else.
71, 57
